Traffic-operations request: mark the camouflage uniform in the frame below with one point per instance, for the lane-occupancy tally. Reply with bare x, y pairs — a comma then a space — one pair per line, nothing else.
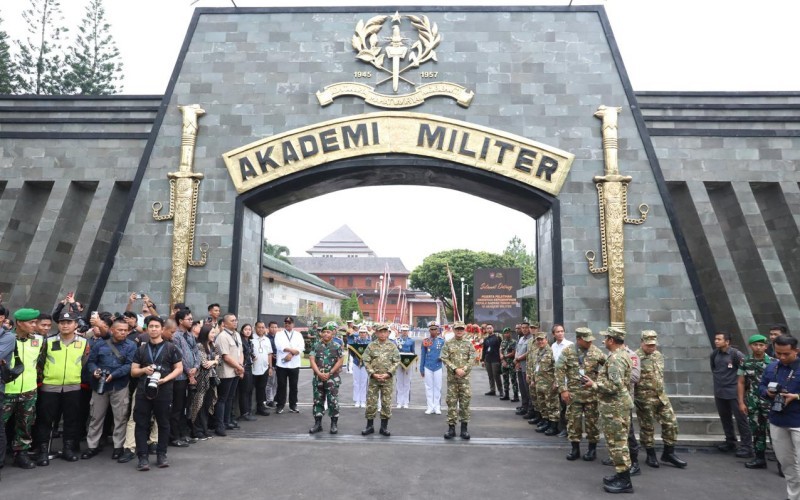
458, 354
652, 402
582, 409
530, 363
615, 405
757, 407
380, 357
508, 347
544, 378
21, 394
326, 356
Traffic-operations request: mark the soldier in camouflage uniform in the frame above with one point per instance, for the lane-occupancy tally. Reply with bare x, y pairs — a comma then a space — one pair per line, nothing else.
750, 401
615, 405
457, 355
508, 350
326, 361
579, 359
652, 403
381, 359
21, 395
543, 370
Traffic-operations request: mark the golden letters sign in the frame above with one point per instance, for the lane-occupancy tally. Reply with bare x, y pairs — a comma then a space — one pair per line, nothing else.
533, 163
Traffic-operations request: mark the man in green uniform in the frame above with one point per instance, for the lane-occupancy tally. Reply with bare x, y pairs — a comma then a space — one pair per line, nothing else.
21, 395
652, 403
381, 359
457, 355
544, 382
579, 359
508, 350
326, 361
614, 406
750, 401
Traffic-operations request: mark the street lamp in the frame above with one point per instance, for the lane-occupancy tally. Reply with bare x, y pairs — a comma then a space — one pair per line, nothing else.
462, 300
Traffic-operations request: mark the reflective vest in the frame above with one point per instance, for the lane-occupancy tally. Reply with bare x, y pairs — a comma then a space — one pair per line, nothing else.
28, 350
63, 363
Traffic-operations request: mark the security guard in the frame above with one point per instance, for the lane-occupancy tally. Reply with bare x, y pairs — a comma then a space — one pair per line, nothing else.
60, 364
20, 397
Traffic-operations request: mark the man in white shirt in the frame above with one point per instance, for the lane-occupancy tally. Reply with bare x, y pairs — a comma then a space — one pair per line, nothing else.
262, 366
289, 347
559, 344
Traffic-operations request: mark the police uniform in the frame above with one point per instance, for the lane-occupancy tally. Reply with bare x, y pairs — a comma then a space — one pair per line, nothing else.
380, 357
458, 354
326, 359
403, 378
430, 367
359, 370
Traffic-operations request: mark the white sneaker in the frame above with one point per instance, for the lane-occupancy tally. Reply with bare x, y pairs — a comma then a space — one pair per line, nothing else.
405, 406
399, 405
437, 411
428, 411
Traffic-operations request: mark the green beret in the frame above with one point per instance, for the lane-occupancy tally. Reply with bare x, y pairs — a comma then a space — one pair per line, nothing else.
756, 338
26, 314
506, 330
330, 326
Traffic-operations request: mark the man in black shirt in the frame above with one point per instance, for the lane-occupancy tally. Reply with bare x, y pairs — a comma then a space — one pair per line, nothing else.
725, 362
490, 357
156, 364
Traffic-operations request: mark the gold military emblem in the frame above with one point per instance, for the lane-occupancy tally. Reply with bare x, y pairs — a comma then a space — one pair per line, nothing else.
395, 58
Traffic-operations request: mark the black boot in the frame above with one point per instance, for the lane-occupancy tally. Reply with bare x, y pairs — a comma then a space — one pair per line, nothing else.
651, 459
43, 457
669, 456
535, 416
575, 452
543, 425
369, 429
68, 452
464, 433
317, 426
591, 453
552, 429
22, 461
505, 396
634, 470
620, 484
522, 412
334, 425
515, 399
384, 427
263, 409
451, 432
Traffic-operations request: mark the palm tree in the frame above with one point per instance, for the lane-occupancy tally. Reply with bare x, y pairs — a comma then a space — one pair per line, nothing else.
280, 252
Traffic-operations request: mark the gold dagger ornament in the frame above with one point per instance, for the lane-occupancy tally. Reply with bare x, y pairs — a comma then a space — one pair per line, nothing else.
612, 193
184, 186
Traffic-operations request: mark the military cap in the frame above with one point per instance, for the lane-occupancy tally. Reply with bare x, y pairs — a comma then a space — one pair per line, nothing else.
381, 326
584, 333
404, 328
614, 332
541, 335
330, 326
756, 338
288, 319
506, 330
649, 337
363, 329
26, 314
350, 321
67, 316
459, 324
535, 324
433, 324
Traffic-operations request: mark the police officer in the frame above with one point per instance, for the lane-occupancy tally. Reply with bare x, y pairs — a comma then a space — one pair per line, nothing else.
381, 359
403, 384
430, 367
457, 356
326, 362
652, 403
60, 364
615, 405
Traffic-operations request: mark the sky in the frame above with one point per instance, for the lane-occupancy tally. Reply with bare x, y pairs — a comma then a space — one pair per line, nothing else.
733, 45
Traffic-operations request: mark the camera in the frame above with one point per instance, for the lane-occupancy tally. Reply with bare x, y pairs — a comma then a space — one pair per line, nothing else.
140, 295
778, 403
151, 389
101, 384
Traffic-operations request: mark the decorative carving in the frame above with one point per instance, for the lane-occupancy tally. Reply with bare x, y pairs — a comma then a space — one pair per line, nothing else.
184, 186
612, 193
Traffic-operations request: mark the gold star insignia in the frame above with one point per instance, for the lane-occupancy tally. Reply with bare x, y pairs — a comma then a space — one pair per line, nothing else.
396, 17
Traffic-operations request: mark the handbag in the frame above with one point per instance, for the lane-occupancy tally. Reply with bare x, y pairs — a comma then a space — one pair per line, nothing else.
11, 373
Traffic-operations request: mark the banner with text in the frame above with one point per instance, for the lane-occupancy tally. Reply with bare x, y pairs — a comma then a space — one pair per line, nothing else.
496, 297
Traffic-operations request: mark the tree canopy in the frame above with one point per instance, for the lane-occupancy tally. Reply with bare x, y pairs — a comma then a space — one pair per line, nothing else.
280, 252
93, 59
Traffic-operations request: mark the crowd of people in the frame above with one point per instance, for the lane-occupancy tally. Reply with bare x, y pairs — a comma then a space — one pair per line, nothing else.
173, 380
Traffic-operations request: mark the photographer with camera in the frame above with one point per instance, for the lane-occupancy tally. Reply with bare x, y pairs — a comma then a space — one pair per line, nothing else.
148, 308
156, 364
109, 364
781, 384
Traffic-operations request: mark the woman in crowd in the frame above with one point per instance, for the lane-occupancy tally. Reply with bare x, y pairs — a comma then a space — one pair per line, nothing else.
207, 381
245, 387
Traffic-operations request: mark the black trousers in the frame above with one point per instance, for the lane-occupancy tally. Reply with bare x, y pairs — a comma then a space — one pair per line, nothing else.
728, 409
3, 442
176, 414
260, 382
226, 392
524, 392
200, 423
495, 378
290, 375
50, 406
144, 411
246, 393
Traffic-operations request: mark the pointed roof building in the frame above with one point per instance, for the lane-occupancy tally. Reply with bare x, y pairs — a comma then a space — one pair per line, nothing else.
341, 243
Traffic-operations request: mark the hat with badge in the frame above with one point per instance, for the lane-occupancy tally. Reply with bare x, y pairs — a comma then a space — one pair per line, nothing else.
288, 319
534, 324
381, 326
506, 330
584, 333
404, 328
26, 314
67, 316
433, 324
649, 337
363, 329
756, 338
614, 332
330, 326
541, 335
459, 325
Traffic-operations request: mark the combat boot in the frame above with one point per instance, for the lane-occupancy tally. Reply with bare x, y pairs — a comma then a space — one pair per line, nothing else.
620, 484
384, 427
464, 433
451, 432
317, 426
575, 452
669, 456
369, 429
68, 453
505, 396
591, 453
634, 470
22, 461
43, 457
651, 459
515, 399
334, 425
552, 429
543, 425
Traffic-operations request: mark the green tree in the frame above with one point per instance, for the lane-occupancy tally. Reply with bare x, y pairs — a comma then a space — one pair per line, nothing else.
40, 61
280, 252
517, 255
8, 77
349, 306
431, 275
93, 59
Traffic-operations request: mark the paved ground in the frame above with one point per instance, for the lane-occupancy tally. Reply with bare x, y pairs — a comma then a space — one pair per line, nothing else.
275, 457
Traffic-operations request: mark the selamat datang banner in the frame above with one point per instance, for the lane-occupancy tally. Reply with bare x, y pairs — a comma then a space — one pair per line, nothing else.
495, 296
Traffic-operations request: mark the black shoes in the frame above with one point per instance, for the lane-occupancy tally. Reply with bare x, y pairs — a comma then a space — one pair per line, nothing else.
464, 433
179, 443
743, 453
669, 456
317, 426
22, 461
369, 429
575, 452
248, 418
552, 430
293, 410
591, 453
384, 427
117, 453
490, 393
143, 465
505, 397
727, 446
220, 431
126, 457
620, 484
451, 432
279, 410
90, 453
42, 458
651, 459
334, 425
68, 452
161, 462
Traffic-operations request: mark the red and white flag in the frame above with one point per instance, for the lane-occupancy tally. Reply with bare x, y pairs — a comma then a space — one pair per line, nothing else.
456, 316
